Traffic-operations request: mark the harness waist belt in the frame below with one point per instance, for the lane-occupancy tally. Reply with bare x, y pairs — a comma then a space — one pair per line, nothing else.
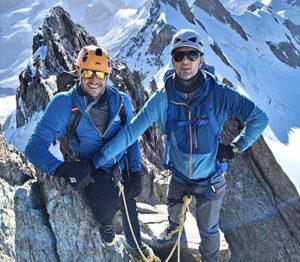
208, 182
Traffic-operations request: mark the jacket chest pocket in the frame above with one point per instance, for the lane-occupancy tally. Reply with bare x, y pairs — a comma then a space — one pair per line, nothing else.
193, 132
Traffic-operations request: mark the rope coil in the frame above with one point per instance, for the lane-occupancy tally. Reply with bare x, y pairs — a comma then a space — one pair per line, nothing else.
121, 193
185, 208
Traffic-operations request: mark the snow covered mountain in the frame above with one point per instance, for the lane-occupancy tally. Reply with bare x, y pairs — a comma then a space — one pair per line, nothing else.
258, 51
255, 45
111, 22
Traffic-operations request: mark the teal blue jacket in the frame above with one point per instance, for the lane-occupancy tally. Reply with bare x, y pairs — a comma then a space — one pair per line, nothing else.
203, 161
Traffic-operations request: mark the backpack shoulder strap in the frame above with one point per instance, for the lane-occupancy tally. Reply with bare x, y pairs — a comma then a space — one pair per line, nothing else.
65, 147
216, 128
168, 126
122, 113
73, 123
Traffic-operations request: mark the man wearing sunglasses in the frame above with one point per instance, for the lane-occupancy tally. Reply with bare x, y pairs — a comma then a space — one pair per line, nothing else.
104, 111
191, 110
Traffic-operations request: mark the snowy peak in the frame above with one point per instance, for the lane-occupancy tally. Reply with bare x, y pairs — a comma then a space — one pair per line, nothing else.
184, 8
148, 51
285, 50
55, 46
216, 9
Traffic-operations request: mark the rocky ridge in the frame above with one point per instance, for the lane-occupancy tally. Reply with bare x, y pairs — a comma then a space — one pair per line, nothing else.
260, 215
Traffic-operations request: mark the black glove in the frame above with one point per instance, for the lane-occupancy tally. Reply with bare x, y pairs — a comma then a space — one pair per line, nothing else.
77, 173
132, 184
227, 152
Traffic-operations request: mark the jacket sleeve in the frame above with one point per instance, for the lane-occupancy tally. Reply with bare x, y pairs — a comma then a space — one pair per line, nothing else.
150, 112
52, 124
133, 151
236, 105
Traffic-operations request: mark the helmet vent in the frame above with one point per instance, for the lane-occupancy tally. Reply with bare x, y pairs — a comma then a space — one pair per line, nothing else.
178, 39
192, 39
99, 51
84, 58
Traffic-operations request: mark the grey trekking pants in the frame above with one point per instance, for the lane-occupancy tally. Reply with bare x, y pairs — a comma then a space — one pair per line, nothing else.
207, 213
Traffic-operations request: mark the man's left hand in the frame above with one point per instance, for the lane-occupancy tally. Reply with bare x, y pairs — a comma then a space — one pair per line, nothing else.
227, 152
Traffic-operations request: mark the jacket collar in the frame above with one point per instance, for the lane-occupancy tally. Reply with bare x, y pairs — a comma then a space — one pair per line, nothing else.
200, 95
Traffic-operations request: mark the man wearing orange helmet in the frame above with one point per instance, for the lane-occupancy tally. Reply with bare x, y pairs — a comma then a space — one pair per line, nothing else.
101, 108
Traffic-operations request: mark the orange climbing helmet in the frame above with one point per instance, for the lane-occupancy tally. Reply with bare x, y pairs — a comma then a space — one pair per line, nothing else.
94, 58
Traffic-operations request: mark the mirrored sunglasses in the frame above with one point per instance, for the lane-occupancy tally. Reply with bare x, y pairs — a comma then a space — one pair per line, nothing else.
89, 74
191, 55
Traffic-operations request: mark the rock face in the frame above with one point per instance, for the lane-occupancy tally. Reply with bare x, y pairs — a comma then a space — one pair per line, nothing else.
43, 219
219, 52
55, 48
184, 8
261, 211
49, 221
286, 52
294, 2
216, 9
294, 29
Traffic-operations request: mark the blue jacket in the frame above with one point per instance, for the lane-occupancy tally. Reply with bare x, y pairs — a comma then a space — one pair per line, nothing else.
203, 162
54, 123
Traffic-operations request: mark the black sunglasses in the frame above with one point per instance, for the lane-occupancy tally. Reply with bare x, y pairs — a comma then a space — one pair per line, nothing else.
191, 55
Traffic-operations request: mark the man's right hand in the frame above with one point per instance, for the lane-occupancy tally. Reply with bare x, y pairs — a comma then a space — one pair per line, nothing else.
133, 184
77, 173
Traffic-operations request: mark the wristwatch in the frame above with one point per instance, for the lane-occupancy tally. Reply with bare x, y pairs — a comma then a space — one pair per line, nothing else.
235, 149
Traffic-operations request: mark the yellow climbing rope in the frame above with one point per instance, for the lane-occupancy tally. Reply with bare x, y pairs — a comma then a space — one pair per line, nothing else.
186, 202
121, 193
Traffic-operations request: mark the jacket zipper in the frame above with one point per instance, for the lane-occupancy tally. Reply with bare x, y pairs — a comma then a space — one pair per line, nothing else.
92, 119
122, 100
191, 143
114, 117
101, 136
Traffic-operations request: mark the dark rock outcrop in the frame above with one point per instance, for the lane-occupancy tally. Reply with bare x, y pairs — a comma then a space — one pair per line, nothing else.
294, 2
55, 48
216, 9
286, 52
294, 29
256, 5
224, 59
184, 8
